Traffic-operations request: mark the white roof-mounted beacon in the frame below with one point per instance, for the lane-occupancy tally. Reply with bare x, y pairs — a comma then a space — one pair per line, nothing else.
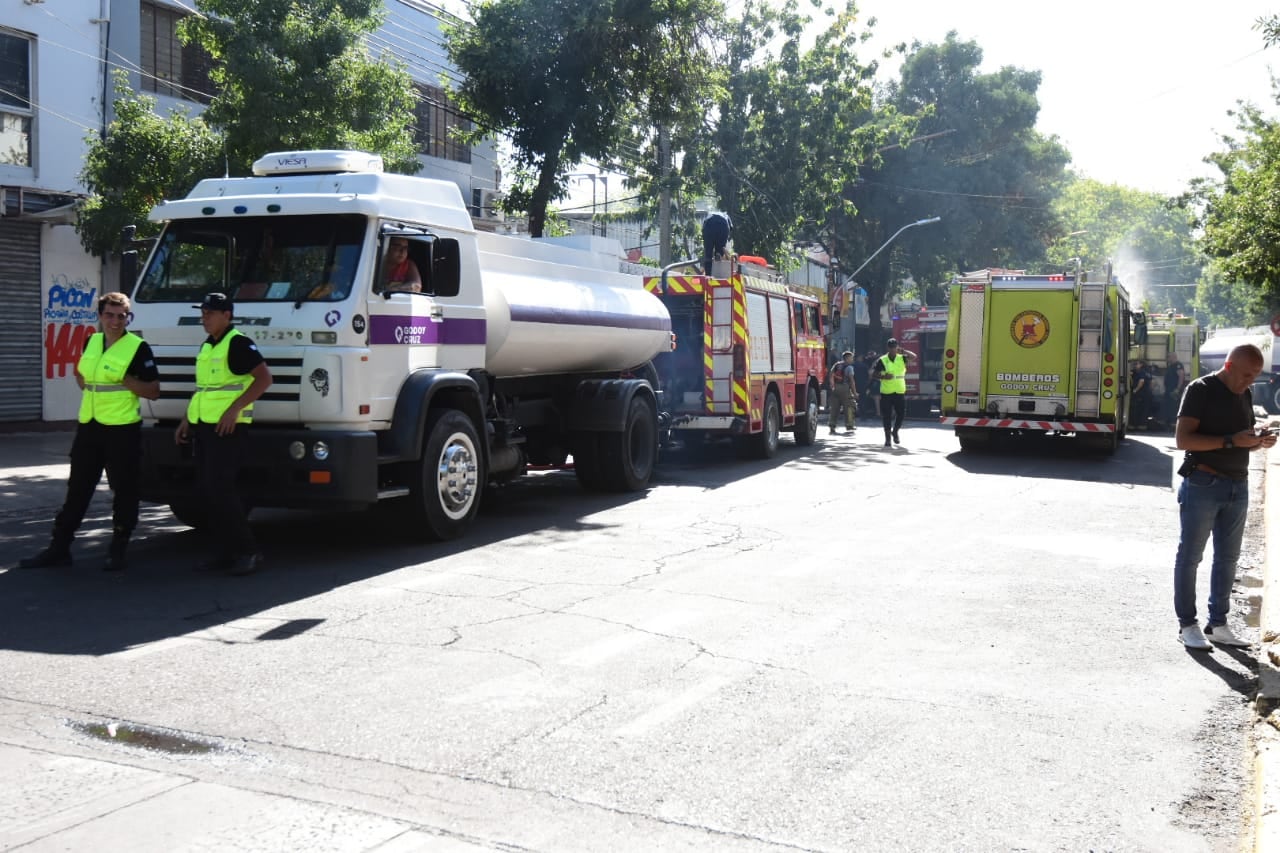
317, 163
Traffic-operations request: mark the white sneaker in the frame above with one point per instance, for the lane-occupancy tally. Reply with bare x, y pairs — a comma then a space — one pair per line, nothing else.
1222, 635
1193, 638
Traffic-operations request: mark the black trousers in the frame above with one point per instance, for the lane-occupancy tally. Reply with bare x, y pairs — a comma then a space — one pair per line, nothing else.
893, 409
217, 465
98, 447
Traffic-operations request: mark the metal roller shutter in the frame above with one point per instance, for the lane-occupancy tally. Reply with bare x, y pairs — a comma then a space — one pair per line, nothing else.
20, 322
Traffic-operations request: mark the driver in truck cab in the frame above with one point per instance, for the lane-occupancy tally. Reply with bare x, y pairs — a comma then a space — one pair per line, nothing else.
401, 272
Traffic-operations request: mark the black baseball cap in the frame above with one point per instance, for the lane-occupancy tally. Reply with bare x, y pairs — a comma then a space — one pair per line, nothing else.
215, 302
892, 342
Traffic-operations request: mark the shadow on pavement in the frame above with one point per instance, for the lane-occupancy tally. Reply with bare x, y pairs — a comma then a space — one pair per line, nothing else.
1242, 677
1137, 463
82, 610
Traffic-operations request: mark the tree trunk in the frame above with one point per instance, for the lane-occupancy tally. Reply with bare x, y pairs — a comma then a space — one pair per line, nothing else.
541, 197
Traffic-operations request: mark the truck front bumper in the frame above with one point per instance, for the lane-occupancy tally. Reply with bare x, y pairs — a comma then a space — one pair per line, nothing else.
270, 472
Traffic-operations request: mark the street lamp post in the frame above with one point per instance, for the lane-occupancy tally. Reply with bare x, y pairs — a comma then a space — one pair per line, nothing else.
929, 221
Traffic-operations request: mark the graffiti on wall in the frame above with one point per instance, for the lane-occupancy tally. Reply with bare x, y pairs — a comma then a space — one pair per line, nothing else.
70, 316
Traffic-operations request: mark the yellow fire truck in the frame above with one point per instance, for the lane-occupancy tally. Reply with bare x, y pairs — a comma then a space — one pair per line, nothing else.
1036, 354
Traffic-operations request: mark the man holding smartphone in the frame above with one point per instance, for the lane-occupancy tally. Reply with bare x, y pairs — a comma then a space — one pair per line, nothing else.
1216, 429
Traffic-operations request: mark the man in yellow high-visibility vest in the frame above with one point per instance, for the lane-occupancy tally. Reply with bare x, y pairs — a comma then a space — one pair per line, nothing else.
114, 370
891, 370
230, 375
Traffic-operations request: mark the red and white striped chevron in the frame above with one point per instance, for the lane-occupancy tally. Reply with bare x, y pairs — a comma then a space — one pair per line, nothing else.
1044, 426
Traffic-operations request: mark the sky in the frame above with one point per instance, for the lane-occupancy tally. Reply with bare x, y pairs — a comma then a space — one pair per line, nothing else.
1137, 90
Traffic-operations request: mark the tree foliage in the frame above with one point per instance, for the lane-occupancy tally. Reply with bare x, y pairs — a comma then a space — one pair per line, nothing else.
298, 75
796, 125
1148, 239
142, 160
977, 161
1241, 220
567, 79
290, 76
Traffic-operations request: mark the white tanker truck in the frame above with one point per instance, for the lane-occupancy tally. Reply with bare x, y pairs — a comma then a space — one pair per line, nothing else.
515, 352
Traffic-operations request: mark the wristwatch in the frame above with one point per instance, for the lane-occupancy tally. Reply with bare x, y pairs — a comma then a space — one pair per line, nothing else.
1227, 443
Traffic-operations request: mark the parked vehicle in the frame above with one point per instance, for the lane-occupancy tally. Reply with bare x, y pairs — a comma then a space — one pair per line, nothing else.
748, 360
1036, 354
515, 353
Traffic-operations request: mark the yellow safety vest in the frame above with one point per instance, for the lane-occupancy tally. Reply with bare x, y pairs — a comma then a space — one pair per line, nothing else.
216, 386
895, 369
105, 398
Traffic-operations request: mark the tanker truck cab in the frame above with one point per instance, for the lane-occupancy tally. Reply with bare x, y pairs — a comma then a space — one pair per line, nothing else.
511, 352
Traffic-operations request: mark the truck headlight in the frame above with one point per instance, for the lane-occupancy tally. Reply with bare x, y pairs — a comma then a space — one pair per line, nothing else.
320, 451
297, 450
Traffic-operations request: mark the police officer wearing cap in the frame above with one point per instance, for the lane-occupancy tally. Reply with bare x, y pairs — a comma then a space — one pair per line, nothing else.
114, 370
230, 375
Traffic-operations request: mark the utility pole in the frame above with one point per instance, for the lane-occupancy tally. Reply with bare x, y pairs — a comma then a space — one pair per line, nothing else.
664, 197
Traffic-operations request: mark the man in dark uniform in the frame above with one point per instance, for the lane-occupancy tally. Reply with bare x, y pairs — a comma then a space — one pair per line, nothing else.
230, 375
716, 230
114, 370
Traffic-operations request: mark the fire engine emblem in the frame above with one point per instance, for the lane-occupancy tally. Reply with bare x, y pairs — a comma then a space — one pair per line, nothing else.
1029, 329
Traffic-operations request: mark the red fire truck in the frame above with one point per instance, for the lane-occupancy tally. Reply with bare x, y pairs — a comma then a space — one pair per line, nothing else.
748, 357
922, 330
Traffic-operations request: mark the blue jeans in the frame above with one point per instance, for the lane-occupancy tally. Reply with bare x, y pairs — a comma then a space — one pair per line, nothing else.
1209, 504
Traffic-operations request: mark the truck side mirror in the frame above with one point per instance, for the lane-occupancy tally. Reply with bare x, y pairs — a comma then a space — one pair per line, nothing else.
445, 265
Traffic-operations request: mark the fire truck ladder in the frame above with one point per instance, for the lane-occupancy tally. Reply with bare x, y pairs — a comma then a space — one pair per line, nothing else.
719, 375
1089, 357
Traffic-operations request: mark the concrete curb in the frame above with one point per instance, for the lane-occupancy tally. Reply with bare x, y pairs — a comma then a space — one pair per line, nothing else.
1267, 705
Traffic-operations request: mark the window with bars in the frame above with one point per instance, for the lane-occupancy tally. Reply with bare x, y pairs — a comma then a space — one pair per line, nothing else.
168, 66
15, 99
436, 119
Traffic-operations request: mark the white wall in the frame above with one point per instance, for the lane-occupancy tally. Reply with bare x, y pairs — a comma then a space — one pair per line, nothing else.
69, 291
66, 88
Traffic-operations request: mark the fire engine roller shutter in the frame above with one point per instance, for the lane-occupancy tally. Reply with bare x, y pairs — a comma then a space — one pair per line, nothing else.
758, 329
20, 321
783, 346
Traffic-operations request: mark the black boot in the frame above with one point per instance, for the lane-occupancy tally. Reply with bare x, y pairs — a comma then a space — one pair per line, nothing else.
116, 560
56, 555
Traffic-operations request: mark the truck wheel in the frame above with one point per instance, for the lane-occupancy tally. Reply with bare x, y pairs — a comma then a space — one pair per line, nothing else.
190, 512
447, 489
764, 444
626, 458
1274, 399
806, 431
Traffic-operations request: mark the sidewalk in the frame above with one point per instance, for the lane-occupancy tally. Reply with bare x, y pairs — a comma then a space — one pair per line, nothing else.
1267, 707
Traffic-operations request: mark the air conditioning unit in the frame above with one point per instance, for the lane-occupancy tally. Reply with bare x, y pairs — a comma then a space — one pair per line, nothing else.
490, 201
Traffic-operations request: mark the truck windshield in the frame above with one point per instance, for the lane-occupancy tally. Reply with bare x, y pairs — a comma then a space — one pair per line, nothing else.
255, 259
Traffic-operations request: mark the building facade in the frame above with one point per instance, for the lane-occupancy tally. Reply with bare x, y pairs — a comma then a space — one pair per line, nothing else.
57, 58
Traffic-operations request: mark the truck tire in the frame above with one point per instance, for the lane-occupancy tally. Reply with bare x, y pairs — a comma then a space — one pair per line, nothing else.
764, 444
806, 429
625, 459
446, 492
586, 462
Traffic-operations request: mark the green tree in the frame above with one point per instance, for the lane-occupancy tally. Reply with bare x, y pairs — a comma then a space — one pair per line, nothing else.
1240, 220
142, 160
571, 79
1148, 238
298, 75
795, 127
977, 162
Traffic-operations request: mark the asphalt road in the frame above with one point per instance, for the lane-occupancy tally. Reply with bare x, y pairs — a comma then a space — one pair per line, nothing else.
845, 648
